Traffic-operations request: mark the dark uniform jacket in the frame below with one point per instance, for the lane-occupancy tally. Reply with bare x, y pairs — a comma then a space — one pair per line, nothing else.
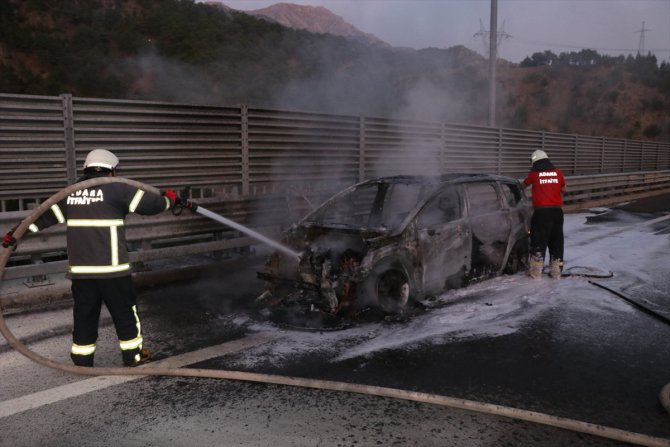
95, 219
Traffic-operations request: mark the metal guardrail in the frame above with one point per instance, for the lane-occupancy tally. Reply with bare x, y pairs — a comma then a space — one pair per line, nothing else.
264, 167
241, 151
607, 189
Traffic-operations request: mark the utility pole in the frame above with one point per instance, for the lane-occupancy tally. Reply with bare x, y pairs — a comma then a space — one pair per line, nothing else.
492, 40
640, 47
493, 55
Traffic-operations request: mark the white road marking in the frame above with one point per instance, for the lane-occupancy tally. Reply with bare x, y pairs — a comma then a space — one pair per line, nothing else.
59, 393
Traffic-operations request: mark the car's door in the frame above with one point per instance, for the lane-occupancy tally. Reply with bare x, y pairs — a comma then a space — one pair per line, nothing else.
443, 239
490, 223
518, 209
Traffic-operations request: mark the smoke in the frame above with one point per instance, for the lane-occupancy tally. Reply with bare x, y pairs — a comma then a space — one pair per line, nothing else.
309, 157
169, 80
404, 95
428, 101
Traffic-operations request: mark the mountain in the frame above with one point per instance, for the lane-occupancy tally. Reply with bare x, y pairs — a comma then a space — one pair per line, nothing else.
315, 19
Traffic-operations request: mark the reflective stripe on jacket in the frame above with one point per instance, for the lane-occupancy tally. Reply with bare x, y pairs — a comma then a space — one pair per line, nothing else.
95, 219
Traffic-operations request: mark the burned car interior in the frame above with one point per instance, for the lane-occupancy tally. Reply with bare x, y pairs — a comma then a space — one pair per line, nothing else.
387, 243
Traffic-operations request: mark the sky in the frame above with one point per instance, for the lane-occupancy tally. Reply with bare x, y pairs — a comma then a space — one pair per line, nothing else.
610, 27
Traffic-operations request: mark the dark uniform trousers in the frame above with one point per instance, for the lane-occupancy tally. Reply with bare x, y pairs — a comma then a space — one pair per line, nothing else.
118, 294
546, 231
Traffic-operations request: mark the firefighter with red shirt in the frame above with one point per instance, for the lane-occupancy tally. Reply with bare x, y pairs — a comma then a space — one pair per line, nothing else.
98, 262
546, 225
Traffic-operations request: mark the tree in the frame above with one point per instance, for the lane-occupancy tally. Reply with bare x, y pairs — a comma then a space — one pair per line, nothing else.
539, 59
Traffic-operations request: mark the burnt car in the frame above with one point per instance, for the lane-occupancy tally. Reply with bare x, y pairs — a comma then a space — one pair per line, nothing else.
386, 242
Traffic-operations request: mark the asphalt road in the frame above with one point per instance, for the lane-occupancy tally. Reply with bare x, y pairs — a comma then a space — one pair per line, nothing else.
568, 349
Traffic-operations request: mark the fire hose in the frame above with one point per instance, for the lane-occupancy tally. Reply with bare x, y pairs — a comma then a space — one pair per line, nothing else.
445, 401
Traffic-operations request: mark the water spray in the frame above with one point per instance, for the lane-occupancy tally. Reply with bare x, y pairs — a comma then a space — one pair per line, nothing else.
248, 231
182, 203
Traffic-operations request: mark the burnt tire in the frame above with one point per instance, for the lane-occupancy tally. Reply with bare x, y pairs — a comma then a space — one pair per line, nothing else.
518, 258
388, 288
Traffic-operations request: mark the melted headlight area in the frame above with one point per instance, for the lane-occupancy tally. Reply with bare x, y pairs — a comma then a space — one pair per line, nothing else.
326, 277
335, 276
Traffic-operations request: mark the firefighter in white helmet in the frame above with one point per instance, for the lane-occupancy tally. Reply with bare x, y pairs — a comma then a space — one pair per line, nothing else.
546, 225
98, 259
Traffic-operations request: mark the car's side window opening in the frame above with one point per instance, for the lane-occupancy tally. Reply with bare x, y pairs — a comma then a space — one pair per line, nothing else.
399, 200
483, 198
444, 208
512, 194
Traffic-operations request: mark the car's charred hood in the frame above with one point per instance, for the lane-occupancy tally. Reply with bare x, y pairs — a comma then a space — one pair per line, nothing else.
319, 245
319, 238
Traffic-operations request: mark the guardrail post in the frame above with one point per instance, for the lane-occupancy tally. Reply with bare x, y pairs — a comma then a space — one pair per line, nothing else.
623, 158
602, 155
68, 138
443, 148
500, 149
361, 148
574, 155
244, 138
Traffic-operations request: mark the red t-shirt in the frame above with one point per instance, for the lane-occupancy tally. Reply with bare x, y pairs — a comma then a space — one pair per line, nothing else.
546, 187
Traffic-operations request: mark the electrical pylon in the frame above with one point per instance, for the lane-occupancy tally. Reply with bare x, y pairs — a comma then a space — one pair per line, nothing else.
640, 46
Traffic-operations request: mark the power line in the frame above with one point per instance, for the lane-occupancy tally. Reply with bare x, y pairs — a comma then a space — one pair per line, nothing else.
582, 47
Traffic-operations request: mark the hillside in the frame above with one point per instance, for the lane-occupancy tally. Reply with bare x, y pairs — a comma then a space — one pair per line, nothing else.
629, 99
181, 51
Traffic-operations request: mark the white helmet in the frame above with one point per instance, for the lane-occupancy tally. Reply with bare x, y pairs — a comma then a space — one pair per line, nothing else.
101, 158
538, 155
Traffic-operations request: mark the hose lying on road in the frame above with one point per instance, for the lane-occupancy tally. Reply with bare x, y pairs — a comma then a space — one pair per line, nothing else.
586, 272
664, 396
481, 407
633, 303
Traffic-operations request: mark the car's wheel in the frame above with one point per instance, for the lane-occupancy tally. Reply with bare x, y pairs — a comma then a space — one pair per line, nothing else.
388, 288
518, 258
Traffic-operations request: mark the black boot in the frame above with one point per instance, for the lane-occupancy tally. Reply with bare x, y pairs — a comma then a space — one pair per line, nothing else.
82, 360
135, 357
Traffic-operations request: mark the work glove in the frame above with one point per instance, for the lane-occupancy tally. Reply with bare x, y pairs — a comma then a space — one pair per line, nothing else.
184, 203
9, 240
178, 203
172, 195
